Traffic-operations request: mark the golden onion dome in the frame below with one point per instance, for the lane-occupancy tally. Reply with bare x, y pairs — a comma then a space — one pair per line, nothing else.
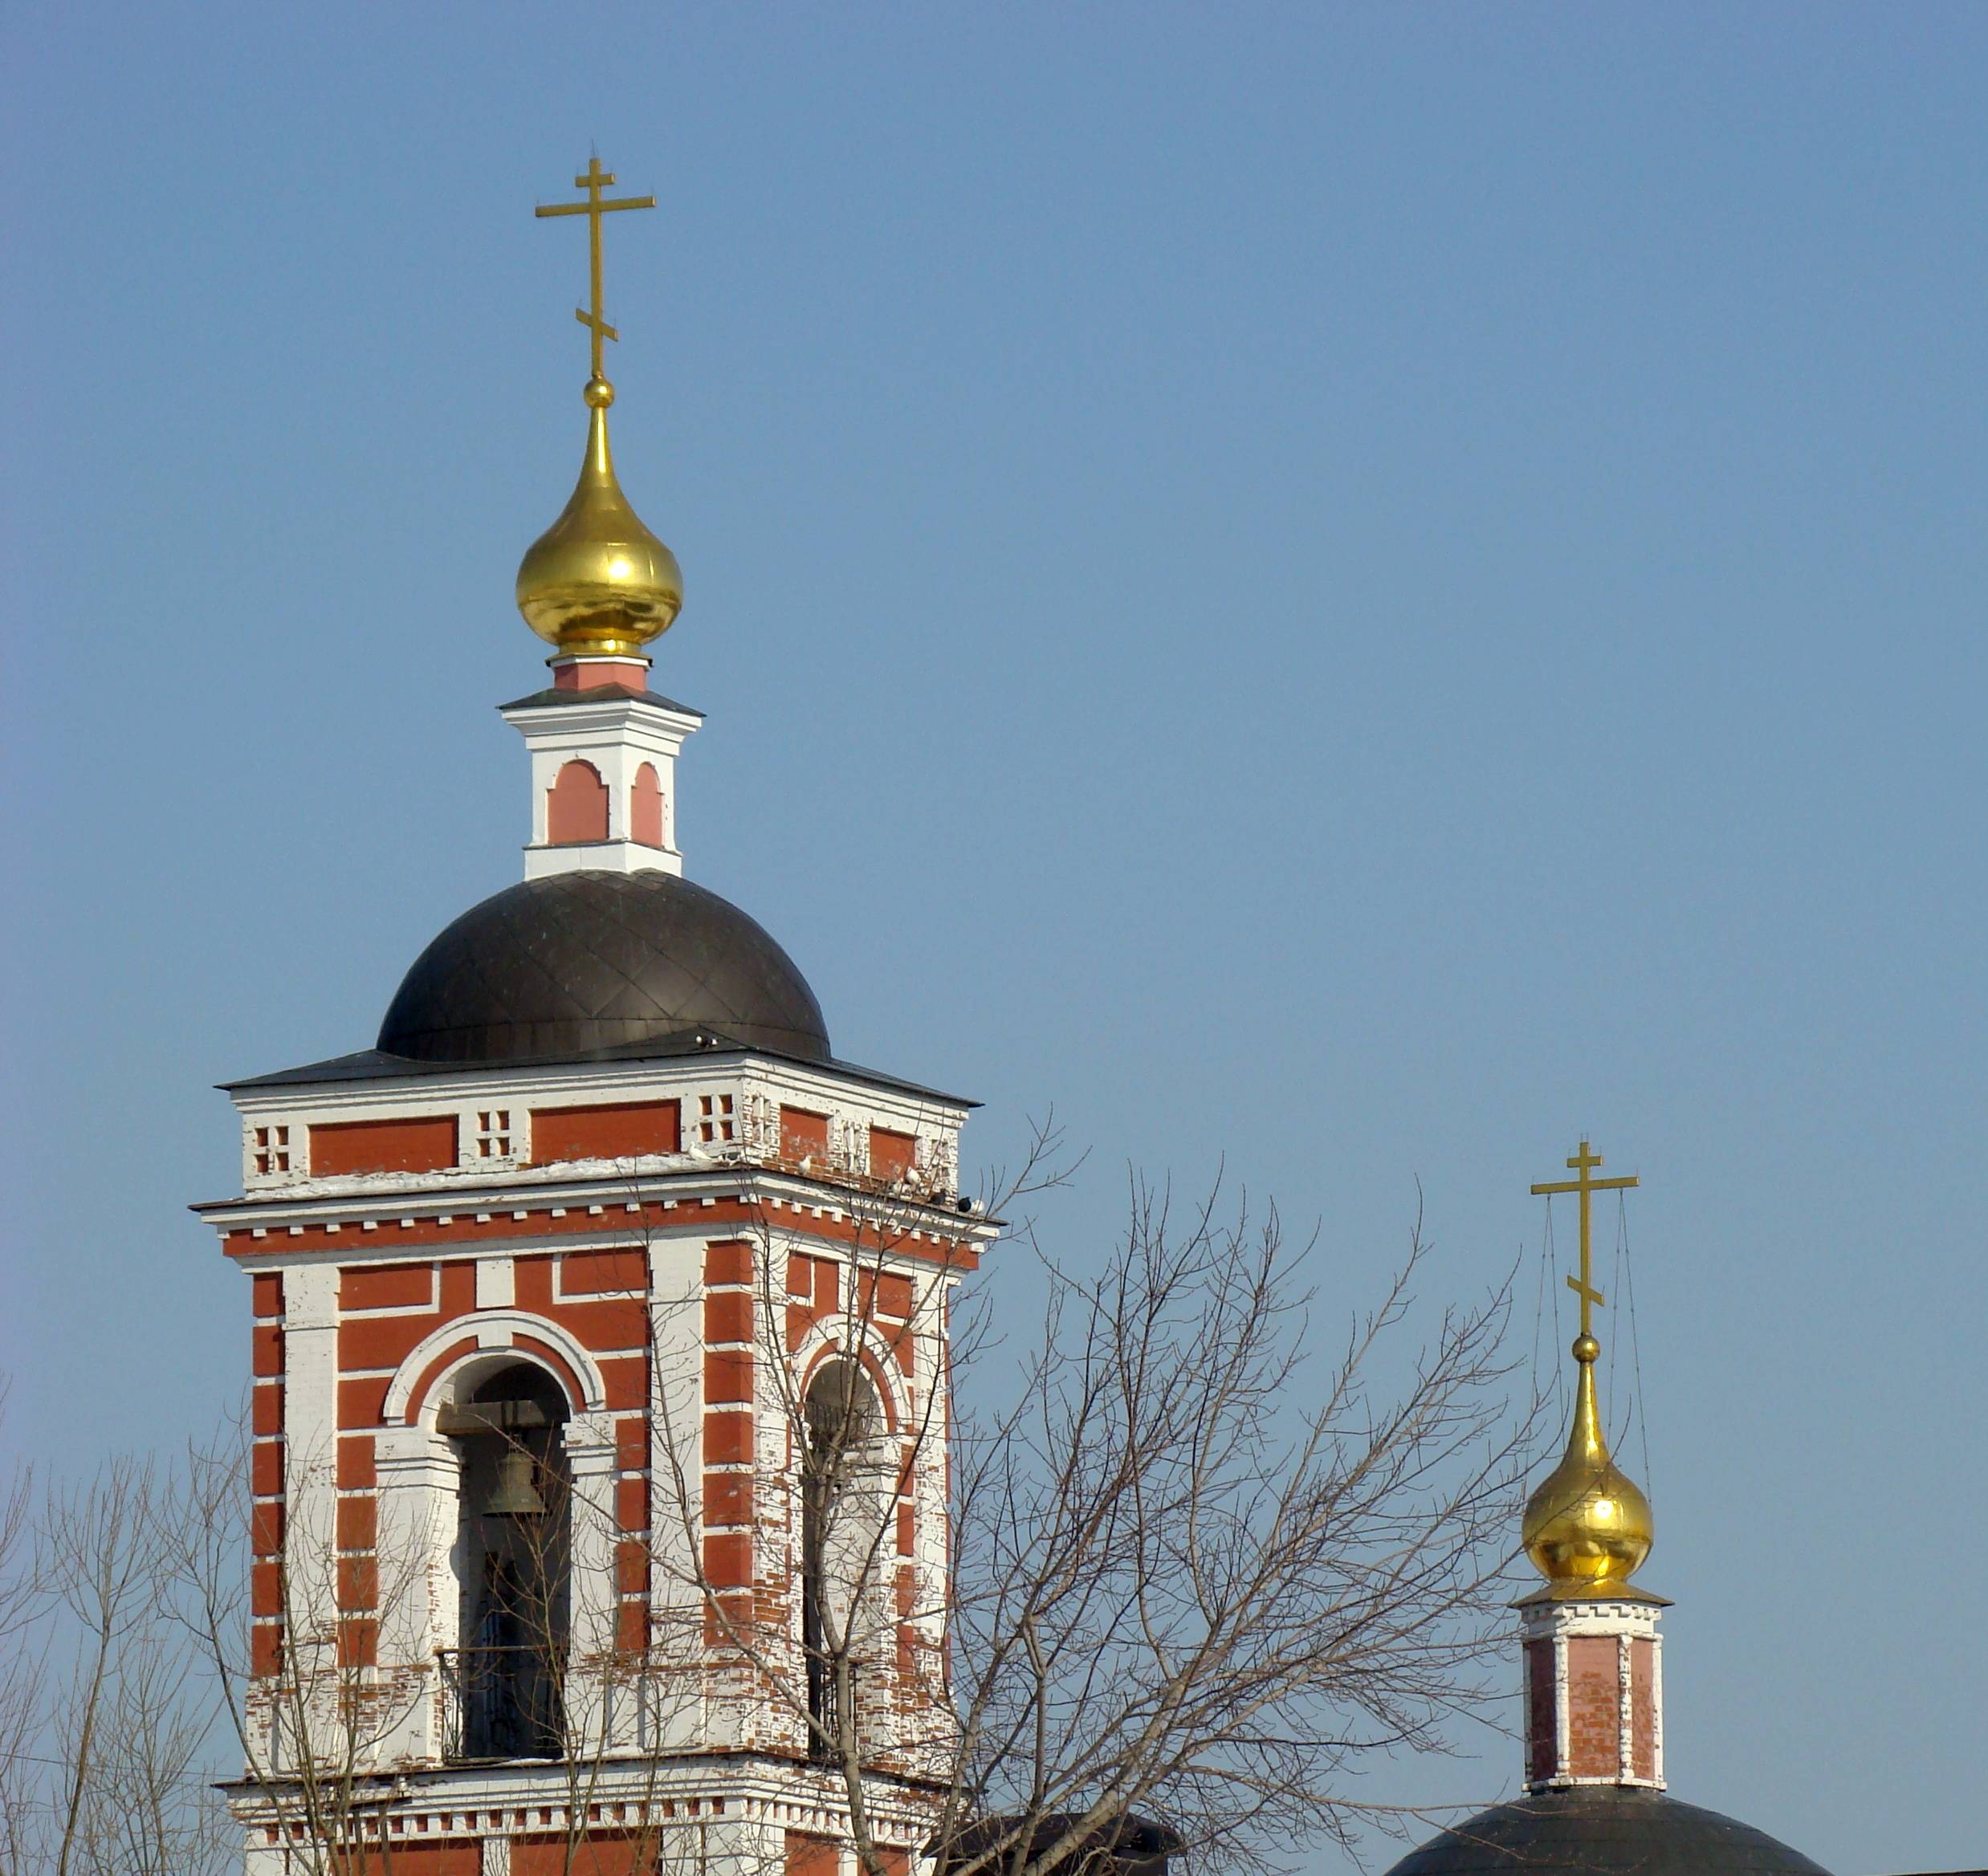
1587, 1523
598, 583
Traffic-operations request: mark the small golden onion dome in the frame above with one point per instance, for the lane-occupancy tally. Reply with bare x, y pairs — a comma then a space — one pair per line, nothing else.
598, 583
1587, 1523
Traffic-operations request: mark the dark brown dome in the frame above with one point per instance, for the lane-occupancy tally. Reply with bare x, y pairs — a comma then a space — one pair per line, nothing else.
582, 963
1602, 1830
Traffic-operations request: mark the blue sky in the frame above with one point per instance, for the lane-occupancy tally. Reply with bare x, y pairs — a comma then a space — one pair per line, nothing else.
1348, 590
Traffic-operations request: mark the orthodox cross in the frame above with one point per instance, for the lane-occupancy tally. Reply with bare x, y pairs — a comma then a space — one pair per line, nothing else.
1584, 1163
593, 208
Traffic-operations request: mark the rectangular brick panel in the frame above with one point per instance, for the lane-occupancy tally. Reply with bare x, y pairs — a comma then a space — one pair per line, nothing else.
267, 1288
358, 1582
621, 1130
1542, 1742
727, 1439
265, 1588
631, 1504
266, 1469
265, 1413
728, 1316
380, 1341
625, 1383
266, 1529
464, 1857
727, 1498
533, 1278
631, 1627
459, 1287
892, 1155
362, 1403
728, 1375
357, 1470
387, 1286
728, 1261
1643, 1707
598, 1855
266, 1649
803, 1135
906, 1528
604, 1273
268, 1350
631, 1567
358, 1642
358, 1523
605, 1323
631, 1443
813, 1855
731, 1616
1594, 1707
729, 1560
424, 1144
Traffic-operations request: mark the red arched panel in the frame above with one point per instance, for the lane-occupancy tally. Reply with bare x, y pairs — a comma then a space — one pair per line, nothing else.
577, 806
645, 808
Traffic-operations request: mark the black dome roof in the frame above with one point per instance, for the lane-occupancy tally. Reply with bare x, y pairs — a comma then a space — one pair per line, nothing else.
1602, 1830
584, 962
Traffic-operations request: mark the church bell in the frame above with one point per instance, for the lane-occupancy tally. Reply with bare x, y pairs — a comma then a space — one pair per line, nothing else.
517, 1493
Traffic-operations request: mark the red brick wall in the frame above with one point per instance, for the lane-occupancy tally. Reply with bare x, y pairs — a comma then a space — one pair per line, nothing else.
402, 1859
803, 1135
729, 1336
266, 1473
423, 1145
619, 1130
1643, 1707
891, 1155
623, 1854
1541, 1743
813, 1855
1594, 1707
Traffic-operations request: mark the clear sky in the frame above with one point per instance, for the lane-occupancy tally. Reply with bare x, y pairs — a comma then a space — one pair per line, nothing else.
1356, 588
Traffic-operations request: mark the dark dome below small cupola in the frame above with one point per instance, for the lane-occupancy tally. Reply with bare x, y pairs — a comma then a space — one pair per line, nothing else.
585, 963
1602, 1830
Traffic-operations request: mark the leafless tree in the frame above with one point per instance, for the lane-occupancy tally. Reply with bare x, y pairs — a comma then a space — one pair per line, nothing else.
1197, 1566
308, 1717
1212, 1545
104, 1734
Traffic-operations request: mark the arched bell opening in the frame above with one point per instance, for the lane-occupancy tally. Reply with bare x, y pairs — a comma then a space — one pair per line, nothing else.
514, 1563
846, 1476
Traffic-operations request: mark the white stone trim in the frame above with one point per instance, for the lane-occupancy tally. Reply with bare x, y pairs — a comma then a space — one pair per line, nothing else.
493, 1328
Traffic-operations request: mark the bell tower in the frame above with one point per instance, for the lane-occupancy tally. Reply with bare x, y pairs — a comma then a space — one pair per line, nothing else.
1594, 1672
599, 1472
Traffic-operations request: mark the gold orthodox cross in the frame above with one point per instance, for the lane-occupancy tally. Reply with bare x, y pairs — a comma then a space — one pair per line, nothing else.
1584, 1164
593, 208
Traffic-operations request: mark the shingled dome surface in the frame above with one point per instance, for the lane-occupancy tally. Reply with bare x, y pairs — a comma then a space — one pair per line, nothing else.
582, 963
1606, 1830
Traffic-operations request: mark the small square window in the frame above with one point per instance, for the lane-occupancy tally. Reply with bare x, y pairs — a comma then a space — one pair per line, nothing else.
715, 1119
493, 1133
272, 1149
